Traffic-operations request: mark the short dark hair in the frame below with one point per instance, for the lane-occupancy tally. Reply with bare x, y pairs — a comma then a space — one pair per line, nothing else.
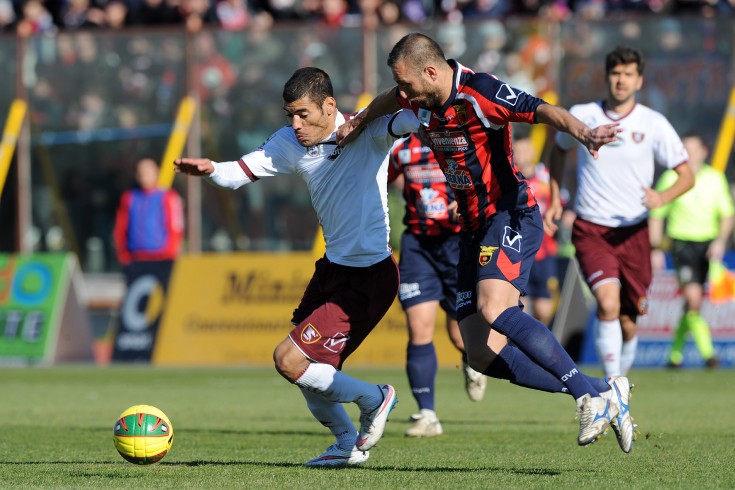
308, 82
419, 49
624, 55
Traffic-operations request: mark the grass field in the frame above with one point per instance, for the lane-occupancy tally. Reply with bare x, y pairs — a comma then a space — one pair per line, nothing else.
247, 428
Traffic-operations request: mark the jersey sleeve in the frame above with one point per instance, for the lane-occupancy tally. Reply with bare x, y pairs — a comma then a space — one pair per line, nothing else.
725, 205
387, 129
498, 103
668, 150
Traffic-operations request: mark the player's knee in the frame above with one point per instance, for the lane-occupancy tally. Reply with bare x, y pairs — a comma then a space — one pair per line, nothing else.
289, 361
608, 308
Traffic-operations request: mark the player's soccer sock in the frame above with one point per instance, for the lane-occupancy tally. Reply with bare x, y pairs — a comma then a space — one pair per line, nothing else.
539, 344
677, 345
334, 417
609, 343
701, 334
338, 387
421, 366
627, 355
515, 366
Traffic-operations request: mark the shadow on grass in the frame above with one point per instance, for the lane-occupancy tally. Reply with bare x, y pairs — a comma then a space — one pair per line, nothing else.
268, 464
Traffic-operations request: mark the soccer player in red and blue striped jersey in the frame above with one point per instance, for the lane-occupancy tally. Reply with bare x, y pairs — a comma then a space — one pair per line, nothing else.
466, 119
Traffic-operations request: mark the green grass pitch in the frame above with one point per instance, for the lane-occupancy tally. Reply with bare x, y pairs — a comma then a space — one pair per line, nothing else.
248, 428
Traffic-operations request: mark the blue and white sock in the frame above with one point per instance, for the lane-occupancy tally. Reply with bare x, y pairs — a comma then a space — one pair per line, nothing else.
334, 417
338, 387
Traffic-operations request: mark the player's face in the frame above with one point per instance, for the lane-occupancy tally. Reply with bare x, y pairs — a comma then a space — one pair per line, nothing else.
624, 81
310, 123
415, 87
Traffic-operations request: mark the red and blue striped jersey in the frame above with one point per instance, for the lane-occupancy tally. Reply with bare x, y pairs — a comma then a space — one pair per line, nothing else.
425, 190
471, 138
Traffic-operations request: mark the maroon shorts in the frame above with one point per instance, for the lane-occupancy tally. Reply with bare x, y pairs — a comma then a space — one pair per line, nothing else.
341, 306
616, 254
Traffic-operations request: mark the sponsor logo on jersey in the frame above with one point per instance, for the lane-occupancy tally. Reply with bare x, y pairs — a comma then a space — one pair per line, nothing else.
336, 343
337, 152
309, 334
455, 177
512, 239
424, 174
507, 94
404, 156
486, 254
449, 141
432, 205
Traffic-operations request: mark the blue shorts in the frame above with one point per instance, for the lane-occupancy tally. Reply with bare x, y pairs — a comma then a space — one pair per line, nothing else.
543, 276
504, 250
428, 268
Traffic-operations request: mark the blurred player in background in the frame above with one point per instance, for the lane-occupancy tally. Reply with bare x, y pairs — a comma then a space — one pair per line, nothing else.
543, 282
699, 223
466, 117
356, 281
149, 224
614, 195
428, 268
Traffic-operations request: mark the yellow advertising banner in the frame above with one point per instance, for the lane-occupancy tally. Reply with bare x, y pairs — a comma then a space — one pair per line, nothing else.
228, 309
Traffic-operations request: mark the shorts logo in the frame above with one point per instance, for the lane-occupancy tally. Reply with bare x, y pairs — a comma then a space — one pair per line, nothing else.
309, 334
337, 343
464, 298
643, 305
408, 290
512, 239
486, 254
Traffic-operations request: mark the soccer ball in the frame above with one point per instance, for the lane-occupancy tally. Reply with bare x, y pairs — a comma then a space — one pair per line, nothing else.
143, 434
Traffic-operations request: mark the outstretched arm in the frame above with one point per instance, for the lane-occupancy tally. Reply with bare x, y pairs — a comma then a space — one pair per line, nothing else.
194, 166
561, 120
384, 103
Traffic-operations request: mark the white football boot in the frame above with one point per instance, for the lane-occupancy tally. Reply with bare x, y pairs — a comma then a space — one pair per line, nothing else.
372, 424
474, 383
622, 423
426, 425
595, 415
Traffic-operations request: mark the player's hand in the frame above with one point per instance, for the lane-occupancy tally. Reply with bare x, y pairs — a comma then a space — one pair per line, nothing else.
600, 136
551, 216
348, 131
651, 198
716, 249
453, 210
193, 166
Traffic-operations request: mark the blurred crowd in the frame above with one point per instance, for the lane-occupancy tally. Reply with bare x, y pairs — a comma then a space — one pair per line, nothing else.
29, 17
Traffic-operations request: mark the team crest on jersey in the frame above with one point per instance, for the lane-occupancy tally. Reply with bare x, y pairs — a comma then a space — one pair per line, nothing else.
507, 94
638, 136
336, 343
512, 239
486, 254
309, 334
314, 151
461, 112
404, 155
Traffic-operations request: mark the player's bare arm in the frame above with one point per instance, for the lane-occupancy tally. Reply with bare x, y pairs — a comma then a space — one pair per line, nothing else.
553, 213
384, 103
561, 120
653, 199
193, 166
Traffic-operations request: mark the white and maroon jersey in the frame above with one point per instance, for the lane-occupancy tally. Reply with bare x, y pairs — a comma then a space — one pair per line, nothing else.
348, 186
610, 189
